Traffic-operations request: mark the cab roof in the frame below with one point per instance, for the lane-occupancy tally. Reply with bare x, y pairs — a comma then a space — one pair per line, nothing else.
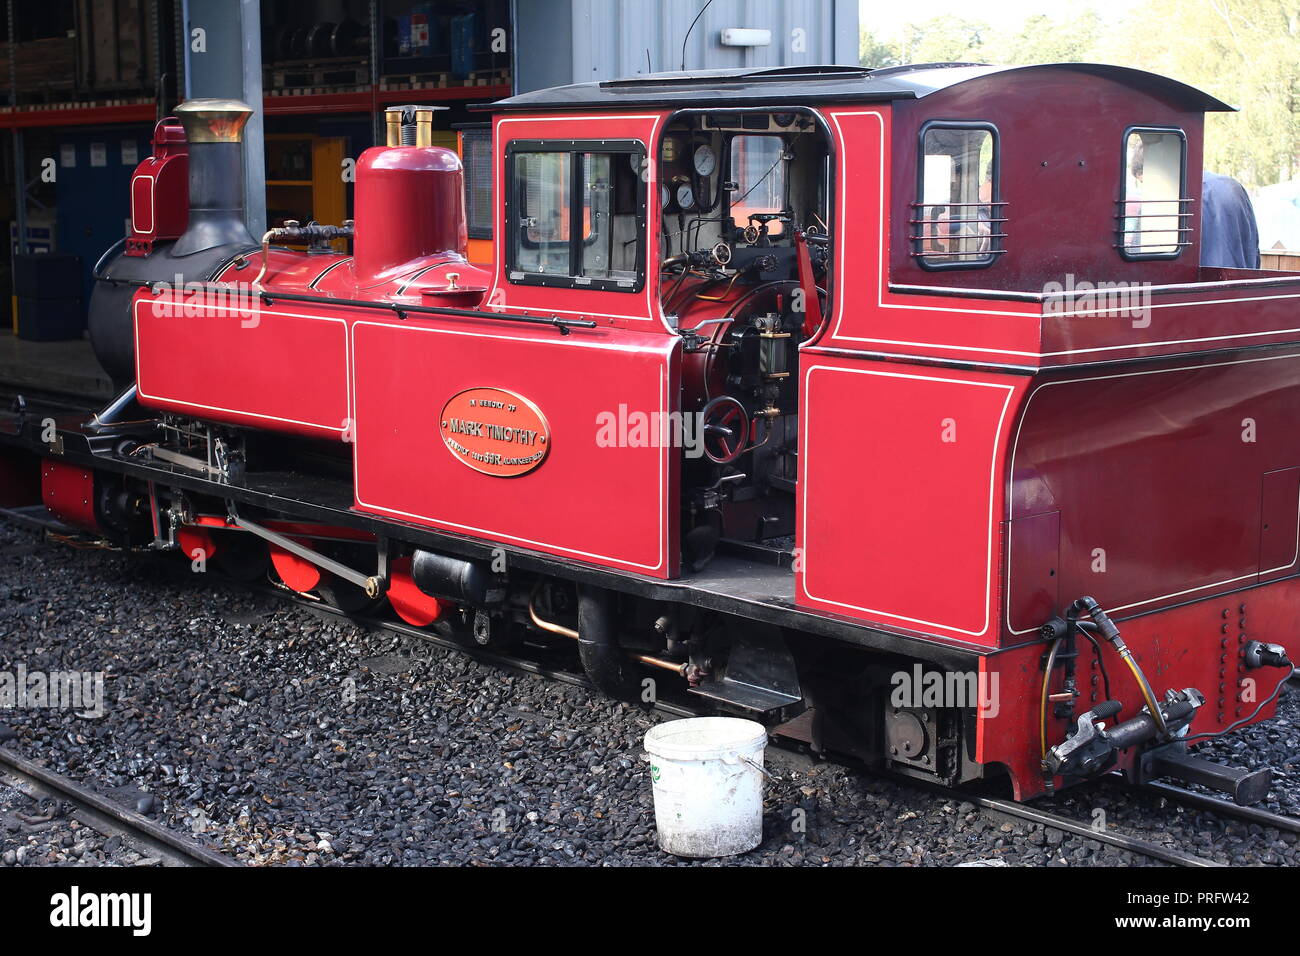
803, 85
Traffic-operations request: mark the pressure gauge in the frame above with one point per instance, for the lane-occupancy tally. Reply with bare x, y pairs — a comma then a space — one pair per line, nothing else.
706, 161
665, 197
637, 162
685, 196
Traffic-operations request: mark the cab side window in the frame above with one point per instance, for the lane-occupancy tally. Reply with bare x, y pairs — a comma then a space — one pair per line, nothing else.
575, 215
958, 221
1153, 213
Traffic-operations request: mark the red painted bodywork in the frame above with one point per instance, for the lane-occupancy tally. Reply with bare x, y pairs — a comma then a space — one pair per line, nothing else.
968, 444
160, 191
410, 204
69, 493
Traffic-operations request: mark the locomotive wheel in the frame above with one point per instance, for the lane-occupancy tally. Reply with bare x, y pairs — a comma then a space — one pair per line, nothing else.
241, 557
408, 602
344, 595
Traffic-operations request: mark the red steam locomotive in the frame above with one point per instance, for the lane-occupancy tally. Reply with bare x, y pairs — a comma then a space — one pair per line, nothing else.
897, 396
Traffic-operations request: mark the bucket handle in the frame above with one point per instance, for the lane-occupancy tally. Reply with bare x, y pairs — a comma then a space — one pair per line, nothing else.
740, 758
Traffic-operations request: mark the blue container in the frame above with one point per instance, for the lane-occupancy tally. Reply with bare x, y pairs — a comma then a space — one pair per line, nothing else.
462, 45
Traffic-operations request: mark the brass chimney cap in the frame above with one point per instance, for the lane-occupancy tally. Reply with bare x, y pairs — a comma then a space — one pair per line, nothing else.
209, 120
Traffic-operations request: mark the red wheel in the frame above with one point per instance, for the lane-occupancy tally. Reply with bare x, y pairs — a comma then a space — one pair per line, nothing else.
726, 430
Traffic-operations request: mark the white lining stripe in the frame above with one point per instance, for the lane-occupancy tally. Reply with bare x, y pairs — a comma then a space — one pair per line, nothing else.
883, 275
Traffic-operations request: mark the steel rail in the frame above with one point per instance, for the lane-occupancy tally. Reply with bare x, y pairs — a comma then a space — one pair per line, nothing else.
106, 816
1203, 801
1007, 807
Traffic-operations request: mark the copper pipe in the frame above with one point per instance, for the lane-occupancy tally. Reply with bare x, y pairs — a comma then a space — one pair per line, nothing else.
725, 292
679, 669
547, 625
266, 255
563, 631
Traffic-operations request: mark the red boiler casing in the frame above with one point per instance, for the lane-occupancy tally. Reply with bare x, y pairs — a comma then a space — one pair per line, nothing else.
409, 244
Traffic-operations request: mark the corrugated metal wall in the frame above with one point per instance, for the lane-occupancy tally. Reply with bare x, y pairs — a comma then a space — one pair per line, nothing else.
575, 41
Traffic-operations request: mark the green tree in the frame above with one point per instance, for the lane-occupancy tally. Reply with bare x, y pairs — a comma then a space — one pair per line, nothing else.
1041, 39
944, 40
876, 54
1245, 52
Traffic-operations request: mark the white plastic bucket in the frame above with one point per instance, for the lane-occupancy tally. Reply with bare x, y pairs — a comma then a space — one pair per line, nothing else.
707, 774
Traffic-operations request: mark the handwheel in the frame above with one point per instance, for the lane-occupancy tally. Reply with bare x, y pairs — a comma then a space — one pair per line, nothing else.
726, 430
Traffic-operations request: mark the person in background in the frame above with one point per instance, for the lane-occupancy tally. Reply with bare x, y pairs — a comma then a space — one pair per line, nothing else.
1229, 234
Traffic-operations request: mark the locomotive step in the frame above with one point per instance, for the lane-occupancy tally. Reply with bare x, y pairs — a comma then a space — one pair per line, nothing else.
756, 700
760, 677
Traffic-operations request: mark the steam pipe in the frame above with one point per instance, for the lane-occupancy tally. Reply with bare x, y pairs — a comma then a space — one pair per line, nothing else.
605, 656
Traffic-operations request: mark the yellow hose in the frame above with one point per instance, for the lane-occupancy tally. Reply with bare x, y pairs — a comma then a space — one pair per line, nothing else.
1047, 683
1145, 688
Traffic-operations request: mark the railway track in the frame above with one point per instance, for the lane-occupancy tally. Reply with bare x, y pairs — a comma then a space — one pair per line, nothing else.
37, 518
995, 805
108, 817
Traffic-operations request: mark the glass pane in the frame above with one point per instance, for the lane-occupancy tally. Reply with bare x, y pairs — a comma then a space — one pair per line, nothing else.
957, 212
759, 175
543, 183
1153, 186
478, 182
612, 246
596, 186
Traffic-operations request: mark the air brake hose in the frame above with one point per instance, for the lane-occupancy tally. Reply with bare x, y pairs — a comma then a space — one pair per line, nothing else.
1109, 631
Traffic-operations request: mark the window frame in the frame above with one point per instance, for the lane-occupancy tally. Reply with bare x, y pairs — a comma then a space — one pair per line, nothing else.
622, 148
998, 237
466, 131
1184, 198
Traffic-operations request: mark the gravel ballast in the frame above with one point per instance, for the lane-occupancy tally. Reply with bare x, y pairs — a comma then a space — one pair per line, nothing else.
284, 736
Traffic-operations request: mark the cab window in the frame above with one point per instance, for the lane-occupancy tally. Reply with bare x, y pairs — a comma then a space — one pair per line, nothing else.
958, 222
1153, 211
758, 172
575, 215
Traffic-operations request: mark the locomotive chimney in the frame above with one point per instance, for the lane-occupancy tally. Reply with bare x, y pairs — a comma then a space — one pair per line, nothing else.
214, 130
